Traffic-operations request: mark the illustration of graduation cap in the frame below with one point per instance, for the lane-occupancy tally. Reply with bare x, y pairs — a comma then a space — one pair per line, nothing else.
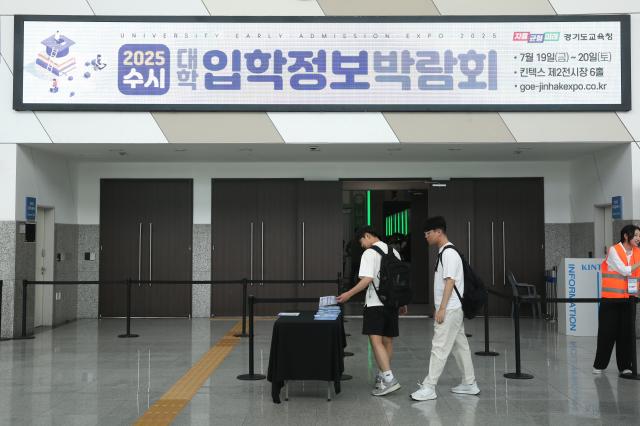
56, 58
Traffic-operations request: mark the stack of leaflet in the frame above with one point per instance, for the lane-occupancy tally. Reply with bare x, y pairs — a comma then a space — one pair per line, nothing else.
327, 309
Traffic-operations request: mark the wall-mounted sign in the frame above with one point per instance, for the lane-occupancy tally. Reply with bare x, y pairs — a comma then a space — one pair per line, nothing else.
616, 207
30, 209
488, 63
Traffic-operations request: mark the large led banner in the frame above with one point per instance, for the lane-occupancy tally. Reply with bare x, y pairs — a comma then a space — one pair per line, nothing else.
489, 63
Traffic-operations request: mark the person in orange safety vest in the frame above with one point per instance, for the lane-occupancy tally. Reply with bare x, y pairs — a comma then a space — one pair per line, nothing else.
620, 277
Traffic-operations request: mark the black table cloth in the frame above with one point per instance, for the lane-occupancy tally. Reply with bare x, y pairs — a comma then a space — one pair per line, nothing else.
306, 349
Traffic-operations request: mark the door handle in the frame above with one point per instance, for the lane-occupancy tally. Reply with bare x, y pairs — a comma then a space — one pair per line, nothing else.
469, 240
262, 253
251, 255
139, 252
150, 251
302, 253
493, 266
504, 258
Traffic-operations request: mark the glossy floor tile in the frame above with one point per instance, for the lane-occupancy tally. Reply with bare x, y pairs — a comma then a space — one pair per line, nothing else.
83, 374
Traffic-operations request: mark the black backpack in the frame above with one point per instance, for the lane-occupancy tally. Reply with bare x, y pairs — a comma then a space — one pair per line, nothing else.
475, 295
394, 290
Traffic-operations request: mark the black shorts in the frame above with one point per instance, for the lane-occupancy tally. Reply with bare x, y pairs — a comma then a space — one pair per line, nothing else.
380, 321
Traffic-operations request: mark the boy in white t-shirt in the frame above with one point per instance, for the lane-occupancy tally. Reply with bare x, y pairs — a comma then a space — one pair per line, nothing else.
448, 332
379, 322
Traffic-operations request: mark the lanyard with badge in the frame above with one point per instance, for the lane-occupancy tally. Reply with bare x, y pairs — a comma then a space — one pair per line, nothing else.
632, 284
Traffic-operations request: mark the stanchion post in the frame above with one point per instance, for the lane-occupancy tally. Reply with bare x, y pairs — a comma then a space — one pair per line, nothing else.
634, 355
244, 310
251, 375
128, 333
486, 351
2, 339
516, 321
346, 353
23, 335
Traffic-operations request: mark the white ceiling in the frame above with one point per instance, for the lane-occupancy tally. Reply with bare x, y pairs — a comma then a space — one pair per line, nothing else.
324, 153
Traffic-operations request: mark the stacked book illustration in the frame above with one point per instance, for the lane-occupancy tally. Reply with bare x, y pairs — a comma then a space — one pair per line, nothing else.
327, 309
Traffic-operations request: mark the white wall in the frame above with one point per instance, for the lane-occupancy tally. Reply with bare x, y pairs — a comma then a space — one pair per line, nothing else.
7, 182
49, 178
635, 172
598, 177
556, 175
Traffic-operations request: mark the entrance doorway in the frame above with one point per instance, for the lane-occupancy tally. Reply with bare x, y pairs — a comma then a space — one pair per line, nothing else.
396, 210
603, 224
146, 229
274, 229
45, 223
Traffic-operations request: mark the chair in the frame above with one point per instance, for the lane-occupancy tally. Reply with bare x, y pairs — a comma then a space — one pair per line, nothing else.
527, 293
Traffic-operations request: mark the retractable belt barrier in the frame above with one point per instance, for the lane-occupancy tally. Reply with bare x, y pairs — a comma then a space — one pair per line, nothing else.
516, 300
129, 283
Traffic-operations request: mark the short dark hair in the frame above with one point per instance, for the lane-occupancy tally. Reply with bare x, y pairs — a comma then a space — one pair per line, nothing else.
366, 230
629, 231
435, 222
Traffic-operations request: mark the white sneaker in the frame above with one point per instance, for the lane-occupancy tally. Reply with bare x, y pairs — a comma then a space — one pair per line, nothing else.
424, 393
386, 387
378, 381
463, 389
597, 371
626, 371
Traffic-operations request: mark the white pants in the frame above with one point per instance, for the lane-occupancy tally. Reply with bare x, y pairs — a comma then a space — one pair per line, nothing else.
449, 337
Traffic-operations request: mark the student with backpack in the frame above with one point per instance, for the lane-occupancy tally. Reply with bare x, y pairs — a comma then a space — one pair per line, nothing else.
448, 333
388, 286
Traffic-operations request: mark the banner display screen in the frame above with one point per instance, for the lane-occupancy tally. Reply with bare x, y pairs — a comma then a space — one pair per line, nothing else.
573, 63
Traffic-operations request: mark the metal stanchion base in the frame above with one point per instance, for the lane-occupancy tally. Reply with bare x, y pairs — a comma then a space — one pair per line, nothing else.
241, 335
24, 337
347, 353
521, 376
345, 377
487, 353
252, 377
128, 335
630, 376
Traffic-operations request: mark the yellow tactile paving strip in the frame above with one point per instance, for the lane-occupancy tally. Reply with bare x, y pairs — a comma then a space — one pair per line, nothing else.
167, 408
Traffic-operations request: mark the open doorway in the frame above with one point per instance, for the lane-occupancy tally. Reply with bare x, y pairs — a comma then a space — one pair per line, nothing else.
603, 228
45, 222
396, 210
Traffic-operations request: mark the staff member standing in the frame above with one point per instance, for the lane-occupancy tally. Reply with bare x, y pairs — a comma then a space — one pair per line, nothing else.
620, 273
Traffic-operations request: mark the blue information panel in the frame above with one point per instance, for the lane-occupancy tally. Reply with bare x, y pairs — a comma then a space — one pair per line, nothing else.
616, 207
30, 209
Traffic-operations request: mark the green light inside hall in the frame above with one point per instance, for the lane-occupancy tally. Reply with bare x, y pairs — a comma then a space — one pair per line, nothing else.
406, 222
